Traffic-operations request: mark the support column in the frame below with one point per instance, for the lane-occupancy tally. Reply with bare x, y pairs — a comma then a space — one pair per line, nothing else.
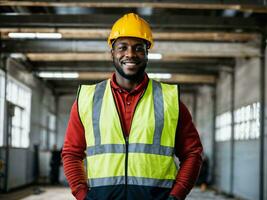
6, 125
262, 116
232, 140
213, 166
57, 97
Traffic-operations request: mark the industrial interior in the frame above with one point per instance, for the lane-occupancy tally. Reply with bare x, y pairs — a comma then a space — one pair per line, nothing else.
214, 50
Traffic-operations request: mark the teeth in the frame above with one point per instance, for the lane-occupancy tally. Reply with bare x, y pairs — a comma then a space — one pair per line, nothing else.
130, 64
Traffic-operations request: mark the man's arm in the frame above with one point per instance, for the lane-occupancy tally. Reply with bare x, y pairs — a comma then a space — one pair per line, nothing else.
188, 149
73, 155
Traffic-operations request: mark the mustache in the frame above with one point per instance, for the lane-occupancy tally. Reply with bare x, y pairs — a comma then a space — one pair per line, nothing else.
131, 60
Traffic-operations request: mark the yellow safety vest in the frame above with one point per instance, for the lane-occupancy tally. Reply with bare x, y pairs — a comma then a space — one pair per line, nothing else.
145, 158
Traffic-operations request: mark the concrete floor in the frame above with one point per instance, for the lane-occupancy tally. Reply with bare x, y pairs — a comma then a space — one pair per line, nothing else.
196, 194
63, 193
52, 193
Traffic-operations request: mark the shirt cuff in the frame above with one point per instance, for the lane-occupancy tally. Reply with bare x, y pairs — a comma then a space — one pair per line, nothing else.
177, 196
81, 194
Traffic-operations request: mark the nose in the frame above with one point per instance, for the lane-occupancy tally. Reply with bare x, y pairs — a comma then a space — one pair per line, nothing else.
130, 53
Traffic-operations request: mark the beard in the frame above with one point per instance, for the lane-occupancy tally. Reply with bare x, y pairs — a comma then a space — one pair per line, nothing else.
130, 77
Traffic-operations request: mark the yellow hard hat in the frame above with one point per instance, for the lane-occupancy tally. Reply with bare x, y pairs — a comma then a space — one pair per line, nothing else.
131, 25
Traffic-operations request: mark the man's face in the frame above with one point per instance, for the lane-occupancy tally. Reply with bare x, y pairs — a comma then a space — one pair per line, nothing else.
130, 57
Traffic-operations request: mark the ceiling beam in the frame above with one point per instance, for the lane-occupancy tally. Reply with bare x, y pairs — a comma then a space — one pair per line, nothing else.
192, 79
102, 34
215, 5
99, 50
180, 22
151, 68
69, 56
175, 78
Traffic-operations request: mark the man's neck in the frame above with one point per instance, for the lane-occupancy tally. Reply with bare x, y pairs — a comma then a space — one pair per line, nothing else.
127, 84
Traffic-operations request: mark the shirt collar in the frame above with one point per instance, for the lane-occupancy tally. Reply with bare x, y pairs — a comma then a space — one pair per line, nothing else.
140, 87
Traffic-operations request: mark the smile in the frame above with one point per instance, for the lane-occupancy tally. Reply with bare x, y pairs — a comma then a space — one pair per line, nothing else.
130, 64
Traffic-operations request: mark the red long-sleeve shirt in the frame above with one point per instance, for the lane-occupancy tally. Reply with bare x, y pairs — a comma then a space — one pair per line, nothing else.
188, 147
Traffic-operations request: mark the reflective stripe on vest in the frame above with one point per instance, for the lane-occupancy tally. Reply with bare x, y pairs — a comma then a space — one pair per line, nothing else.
151, 139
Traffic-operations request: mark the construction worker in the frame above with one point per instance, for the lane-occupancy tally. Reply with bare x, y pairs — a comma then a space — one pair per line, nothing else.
55, 162
129, 128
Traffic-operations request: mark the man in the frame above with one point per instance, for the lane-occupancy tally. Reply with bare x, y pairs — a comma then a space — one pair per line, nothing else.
128, 127
55, 163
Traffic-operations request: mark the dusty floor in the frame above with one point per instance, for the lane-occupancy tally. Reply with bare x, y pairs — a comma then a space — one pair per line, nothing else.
63, 193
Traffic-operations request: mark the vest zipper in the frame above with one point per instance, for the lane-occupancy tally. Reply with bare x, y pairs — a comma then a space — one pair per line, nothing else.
127, 146
126, 165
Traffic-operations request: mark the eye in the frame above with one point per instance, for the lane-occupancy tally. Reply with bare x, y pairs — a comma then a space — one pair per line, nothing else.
140, 48
121, 48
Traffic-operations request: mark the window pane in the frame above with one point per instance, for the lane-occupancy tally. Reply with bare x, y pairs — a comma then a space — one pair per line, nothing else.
52, 138
14, 94
43, 142
15, 137
9, 91
24, 138
245, 122
52, 122
21, 98
20, 95
24, 119
2, 94
223, 127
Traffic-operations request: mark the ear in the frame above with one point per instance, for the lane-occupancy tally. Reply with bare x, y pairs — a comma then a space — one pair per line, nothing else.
112, 53
147, 50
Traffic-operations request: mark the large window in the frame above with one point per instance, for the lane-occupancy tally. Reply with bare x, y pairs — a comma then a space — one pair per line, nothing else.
246, 124
223, 127
48, 132
52, 130
20, 96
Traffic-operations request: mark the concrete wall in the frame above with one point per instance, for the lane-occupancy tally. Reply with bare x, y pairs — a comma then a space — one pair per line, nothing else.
204, 121
247, 92
204, 118
64, 108
223, 93
223, 167
246, 169
188, 100
246, 152
223, 149
43, 104
20, 167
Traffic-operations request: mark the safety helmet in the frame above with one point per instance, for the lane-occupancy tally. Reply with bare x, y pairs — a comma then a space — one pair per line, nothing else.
131, 25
